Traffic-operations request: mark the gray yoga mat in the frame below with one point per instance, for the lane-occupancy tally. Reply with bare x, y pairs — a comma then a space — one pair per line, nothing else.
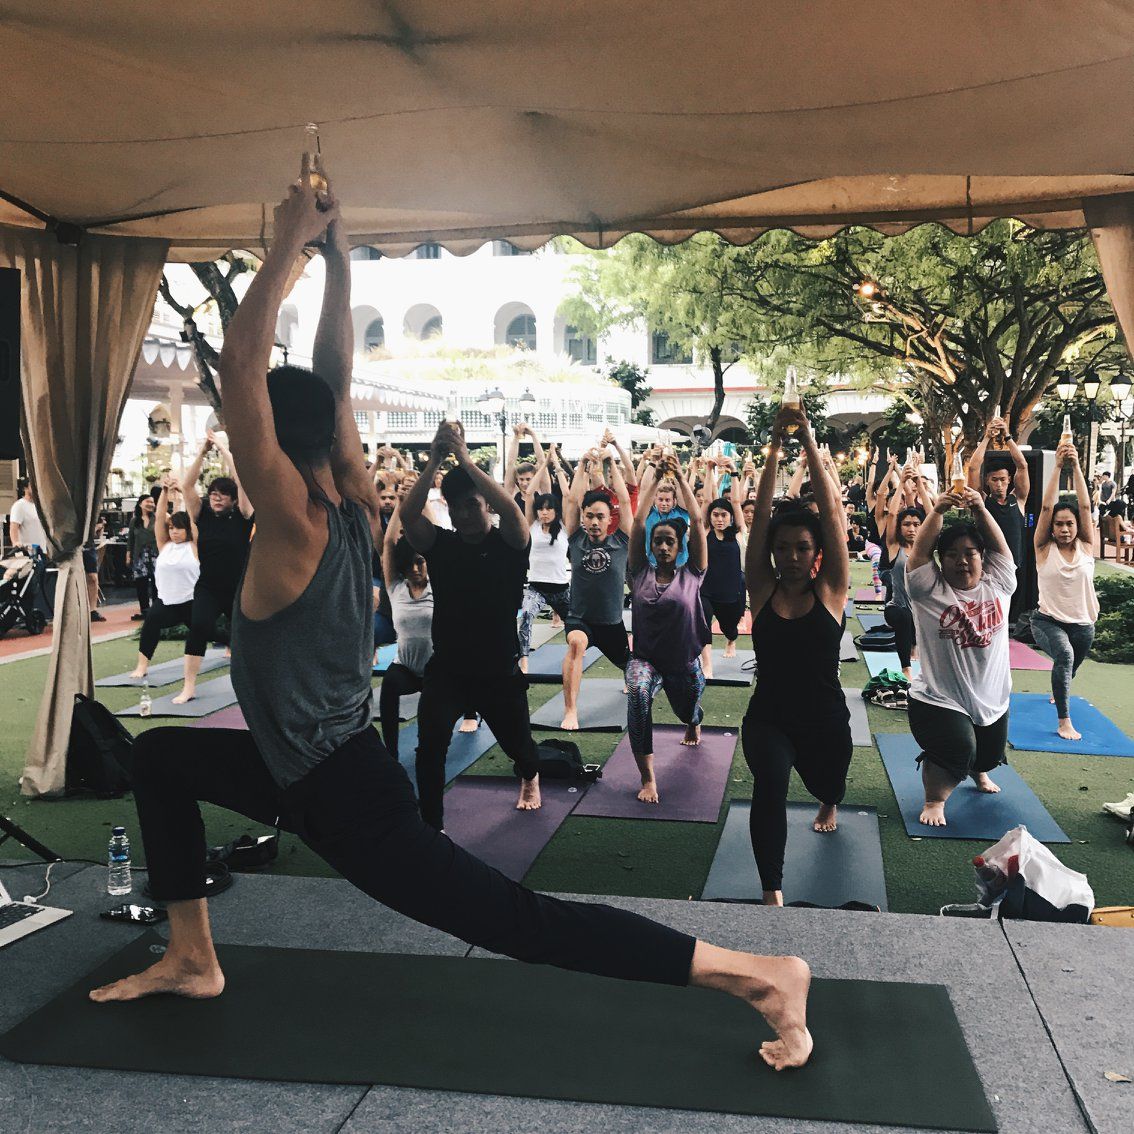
867, 621
545, 665
739, 670
211, 696
166, 673
885, 1050
602, 707
827, 869
859, 725
691, 781
481, 816
848, 651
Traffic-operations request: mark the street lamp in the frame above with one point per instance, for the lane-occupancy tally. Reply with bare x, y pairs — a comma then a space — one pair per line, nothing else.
527, 403
1066, 386
1124, 410
1091, 384
492, 403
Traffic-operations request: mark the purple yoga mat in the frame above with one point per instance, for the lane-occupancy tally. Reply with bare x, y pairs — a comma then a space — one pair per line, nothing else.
232, 717
1022, 656
481, 816
691, 781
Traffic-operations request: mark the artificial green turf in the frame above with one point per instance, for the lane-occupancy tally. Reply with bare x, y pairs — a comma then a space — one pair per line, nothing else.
654, 858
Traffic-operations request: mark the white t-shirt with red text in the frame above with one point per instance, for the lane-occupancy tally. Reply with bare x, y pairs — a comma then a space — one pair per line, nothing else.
962, 639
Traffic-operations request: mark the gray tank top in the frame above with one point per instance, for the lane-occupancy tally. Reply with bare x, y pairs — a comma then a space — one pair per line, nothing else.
899, 596
302, 676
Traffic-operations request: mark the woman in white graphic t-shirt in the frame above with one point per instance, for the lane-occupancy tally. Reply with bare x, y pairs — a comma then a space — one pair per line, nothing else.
958, 705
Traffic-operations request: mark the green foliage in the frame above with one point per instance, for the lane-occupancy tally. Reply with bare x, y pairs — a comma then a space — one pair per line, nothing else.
898, 434
1114, 631
1049, 421
633, 380
762, 413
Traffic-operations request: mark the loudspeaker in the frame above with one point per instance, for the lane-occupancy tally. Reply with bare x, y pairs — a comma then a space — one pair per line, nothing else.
10, 448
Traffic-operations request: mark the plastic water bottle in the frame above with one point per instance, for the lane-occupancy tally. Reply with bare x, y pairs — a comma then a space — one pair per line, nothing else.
118, 879
145, 702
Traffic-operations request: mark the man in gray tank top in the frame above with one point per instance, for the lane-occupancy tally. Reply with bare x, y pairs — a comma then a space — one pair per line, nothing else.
311, 758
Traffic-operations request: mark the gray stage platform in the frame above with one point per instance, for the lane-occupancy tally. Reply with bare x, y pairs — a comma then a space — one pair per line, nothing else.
1017, 1063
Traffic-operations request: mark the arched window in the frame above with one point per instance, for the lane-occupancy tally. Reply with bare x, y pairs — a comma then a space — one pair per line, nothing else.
374, 336
365, 252
582, 348
432, 328
427, 252
521, 332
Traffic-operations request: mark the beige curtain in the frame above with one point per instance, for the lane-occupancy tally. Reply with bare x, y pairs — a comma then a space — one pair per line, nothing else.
85, 313
1112, 229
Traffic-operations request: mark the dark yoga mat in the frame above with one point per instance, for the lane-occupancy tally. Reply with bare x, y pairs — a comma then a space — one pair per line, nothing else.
866, 621
830, 869
481, 816
602, 707
465, 749
883, 1050
1032, 722
545, 664
970, 813
166, 672
739, 670
211, 696
691, 781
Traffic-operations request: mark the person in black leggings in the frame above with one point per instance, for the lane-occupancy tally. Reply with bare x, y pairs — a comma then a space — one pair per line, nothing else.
311, 756
141, 551
798, 717
224, 528
722, 592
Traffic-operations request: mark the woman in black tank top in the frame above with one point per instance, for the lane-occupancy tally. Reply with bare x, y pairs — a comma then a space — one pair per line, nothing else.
797, 573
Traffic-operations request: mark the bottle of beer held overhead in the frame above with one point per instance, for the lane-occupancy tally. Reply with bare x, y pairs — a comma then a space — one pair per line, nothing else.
791, 394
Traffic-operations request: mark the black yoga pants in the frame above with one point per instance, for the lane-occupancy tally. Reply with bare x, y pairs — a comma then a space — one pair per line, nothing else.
612, 641
819, 751
950, 740
727, 614
900, 620
209, 603
445, 698
357, 811
397, 682
146, 591
161, 617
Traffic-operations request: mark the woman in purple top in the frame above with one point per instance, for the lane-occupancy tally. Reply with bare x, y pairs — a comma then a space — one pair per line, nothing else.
670, 628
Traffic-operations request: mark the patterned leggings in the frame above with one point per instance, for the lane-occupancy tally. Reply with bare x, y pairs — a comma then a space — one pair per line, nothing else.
683, 689
534, 603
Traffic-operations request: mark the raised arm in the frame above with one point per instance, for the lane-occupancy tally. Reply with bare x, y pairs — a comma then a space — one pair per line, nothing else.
537, 448
513, 526
511, 459
976, 461
618, 484
242, 501
993, 537
834, 573
189, 478
628, 473
871, 473
1022, 481
736, 499
759, 572
698, 545
648, 489
555, 465
332, 358
922, 551
161, 515
420, 530
389, 542
795, 485
573, 501
269, 476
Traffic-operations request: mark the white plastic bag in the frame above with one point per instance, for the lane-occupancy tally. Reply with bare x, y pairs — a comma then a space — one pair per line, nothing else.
1043, 873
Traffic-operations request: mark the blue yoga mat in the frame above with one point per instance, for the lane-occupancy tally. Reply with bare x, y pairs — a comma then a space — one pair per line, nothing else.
386, 655
465, 749
1032, 723
970, 813
878, 660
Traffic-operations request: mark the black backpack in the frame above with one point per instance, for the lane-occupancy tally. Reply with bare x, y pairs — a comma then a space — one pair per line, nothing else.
100, 752
877, 638
561, 760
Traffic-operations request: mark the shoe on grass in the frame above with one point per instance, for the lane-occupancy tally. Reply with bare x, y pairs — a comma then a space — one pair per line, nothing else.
1122, 809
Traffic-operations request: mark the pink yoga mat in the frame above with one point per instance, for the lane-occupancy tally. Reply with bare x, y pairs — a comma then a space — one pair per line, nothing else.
481, 816
232, 717
867, 595
1022, 656
691, 781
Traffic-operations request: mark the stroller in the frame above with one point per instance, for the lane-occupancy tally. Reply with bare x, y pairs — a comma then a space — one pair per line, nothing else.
20, 582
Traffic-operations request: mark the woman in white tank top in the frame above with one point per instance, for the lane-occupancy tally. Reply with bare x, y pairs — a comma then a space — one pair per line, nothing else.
1064, 627
547, 584
176, 571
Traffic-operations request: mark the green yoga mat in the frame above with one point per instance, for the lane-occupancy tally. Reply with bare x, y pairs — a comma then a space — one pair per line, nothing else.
882, 1050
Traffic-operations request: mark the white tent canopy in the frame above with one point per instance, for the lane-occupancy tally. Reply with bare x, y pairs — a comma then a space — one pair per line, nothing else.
457, 123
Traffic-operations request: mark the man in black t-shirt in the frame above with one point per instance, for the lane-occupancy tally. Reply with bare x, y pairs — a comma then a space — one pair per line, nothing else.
477, 573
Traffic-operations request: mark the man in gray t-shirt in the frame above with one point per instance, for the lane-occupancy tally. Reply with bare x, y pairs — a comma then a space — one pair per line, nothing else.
598, 575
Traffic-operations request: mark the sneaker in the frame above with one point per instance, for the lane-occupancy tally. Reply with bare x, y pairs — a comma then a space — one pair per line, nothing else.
1122, 809
96, 617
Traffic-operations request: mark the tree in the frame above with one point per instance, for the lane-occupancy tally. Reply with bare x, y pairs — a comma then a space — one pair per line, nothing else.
952, 326
1048, 421
632, 379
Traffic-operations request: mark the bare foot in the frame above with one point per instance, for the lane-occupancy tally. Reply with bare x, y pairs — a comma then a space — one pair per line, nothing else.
1051, 700
933, 815
570, 721
773, 897
529, 795
730, 650
139, 673
524, 664
169, 975
781, 998
1068, 731
469, 724
649, 792
556, 622
186, 694
707, 670
692, 736
827, 819
985, 784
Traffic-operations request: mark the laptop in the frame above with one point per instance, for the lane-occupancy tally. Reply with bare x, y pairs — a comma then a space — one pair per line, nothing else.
18, 919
